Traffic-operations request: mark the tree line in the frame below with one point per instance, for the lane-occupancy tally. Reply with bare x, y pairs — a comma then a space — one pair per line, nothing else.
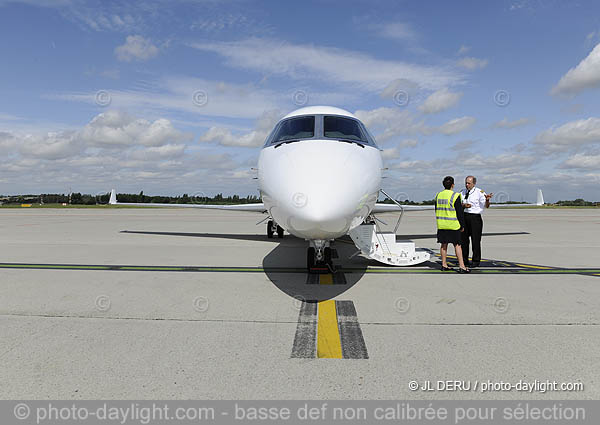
579, 202
77, 198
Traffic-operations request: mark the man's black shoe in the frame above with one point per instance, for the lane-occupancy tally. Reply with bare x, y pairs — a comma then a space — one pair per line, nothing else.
474, 265
467, 263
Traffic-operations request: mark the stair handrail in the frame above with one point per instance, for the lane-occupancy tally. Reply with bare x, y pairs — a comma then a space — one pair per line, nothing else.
401, 209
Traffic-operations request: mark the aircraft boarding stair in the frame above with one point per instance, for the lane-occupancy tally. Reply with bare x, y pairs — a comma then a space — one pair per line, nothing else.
383, 247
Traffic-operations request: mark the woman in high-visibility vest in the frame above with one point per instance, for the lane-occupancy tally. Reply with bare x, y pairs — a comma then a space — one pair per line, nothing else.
450, 222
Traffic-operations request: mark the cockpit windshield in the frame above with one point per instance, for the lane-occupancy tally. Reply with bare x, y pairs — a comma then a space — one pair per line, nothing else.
343, 128
294, 129
318, 127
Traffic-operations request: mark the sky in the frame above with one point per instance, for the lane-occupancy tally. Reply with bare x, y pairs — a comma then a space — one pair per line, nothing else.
178, 96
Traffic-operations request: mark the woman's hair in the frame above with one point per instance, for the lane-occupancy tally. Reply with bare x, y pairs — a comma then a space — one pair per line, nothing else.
448, 182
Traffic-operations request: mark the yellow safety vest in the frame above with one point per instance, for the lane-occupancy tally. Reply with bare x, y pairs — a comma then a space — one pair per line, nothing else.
445, 213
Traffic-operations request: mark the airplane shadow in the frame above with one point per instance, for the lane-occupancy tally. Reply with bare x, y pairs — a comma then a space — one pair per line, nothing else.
241, 237
285, 264
262, 238
311, 286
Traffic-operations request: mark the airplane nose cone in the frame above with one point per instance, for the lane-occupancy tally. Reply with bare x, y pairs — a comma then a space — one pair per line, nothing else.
328, 187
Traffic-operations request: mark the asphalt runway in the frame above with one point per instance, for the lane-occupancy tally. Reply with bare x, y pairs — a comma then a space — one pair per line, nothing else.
182, 304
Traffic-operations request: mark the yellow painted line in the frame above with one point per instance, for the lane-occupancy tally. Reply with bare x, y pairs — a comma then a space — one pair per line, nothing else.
596, 274
25, 205
533, 267
326, 279
329, 343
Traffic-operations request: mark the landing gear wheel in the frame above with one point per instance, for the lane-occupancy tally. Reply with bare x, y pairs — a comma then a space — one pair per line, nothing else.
279, 231
270, 229
327, 257
310, 258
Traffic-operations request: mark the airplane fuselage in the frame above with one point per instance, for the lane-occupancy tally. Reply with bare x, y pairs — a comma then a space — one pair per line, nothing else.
320, 186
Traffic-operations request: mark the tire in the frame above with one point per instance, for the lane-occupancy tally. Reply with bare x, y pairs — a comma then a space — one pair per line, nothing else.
270, 229
310, 258
279, 232
327, 256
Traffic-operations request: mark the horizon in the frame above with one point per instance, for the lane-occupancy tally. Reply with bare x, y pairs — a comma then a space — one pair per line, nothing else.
241, 196
178, 97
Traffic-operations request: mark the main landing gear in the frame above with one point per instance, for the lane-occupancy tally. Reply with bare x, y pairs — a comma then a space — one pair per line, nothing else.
273, 228
318, 257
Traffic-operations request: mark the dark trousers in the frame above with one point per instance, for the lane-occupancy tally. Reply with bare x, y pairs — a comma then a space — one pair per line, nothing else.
473, 229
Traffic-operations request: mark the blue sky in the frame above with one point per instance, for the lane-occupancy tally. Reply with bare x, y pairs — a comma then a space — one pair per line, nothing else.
177, 96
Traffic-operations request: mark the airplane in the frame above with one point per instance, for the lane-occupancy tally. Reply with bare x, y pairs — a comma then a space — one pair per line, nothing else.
319, 177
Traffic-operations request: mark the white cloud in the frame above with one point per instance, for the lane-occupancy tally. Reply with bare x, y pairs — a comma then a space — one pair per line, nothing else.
439, 101
584, 76
388, 123
221, 99
108, 16
569, 136
471, 63
505, 123
400, 85
394, 153
324, 63
505, 163
159, 132
118, 150
583, 161
50, 145
8, 142
136, 47
116, 128
391, 122
159, 152
223, 136
254, 138
416, 165
457, 125
111, 129
217, 23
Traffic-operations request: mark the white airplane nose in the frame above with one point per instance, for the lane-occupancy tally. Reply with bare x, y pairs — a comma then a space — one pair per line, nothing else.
330, 186
317, 211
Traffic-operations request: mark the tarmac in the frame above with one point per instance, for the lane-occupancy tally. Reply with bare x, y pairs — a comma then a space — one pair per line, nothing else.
199, 304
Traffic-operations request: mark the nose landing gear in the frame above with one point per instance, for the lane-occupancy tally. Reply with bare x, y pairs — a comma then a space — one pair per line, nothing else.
318, 257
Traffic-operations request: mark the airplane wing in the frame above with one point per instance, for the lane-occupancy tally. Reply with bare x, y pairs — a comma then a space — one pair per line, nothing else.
539, 202
381, 208
259, 207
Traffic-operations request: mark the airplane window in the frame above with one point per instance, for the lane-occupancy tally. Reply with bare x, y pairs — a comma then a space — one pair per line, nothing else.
295, 128
343, 128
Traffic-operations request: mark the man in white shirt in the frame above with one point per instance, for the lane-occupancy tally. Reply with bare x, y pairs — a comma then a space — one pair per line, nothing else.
474, 202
